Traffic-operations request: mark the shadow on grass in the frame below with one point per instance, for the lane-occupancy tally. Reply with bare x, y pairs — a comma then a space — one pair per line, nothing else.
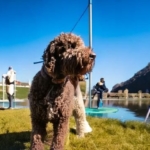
14, 141
2, 108
21, 140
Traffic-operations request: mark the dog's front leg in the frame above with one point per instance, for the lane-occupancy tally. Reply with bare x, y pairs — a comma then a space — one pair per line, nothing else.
60, 132
38, 134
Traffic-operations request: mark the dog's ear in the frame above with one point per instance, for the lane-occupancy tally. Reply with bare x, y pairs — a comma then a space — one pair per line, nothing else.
49, 59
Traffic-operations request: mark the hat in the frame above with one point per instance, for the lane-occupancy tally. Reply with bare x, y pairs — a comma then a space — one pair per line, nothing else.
9, 68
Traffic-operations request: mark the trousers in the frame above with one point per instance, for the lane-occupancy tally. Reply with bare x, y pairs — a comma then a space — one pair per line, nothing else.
100, 96
10, 99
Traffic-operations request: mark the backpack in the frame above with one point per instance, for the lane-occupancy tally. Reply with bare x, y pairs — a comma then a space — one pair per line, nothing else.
7, 80
94, 90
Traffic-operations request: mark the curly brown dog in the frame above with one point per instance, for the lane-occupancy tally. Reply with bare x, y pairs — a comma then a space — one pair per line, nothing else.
53, 88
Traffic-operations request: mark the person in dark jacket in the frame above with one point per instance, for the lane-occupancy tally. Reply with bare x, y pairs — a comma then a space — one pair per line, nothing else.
101, 87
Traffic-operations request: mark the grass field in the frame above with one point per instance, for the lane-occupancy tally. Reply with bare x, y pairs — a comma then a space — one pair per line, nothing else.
107, 134
21, 93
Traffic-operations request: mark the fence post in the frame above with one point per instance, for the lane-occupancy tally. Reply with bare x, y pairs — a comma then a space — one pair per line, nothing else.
126, 91
140, 94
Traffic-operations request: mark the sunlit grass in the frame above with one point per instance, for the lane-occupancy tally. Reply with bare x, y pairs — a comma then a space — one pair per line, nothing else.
107, 134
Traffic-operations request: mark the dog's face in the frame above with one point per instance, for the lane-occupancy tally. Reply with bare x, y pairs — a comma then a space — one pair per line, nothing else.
67, 55
85, 61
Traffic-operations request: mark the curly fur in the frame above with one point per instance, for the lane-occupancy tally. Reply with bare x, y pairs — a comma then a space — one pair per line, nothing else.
71, 55
82, 125
53, 88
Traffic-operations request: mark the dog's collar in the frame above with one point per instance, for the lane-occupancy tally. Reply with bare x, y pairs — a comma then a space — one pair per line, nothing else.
58, 81
45, 75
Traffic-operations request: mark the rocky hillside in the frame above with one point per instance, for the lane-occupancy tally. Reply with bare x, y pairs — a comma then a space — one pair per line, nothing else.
140, 81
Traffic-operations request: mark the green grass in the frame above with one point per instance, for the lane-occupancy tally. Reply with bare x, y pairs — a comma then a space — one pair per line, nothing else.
82, 86
107, 134
21, 92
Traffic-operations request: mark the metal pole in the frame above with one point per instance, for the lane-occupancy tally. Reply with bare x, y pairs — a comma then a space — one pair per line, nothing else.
15, 80
3, 88
147, 115
90, 45
3, 84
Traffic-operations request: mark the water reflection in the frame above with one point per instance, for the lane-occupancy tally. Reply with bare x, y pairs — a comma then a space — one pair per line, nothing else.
15, 104
127, 109
139, 107
132, 109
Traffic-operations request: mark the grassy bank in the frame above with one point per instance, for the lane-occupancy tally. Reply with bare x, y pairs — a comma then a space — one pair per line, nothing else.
107, 134
21, 93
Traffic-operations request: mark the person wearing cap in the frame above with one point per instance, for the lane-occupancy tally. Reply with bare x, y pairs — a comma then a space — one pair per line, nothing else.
9, 81
100, 87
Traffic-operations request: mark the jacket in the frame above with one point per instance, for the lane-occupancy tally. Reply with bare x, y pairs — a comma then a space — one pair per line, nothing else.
100, 86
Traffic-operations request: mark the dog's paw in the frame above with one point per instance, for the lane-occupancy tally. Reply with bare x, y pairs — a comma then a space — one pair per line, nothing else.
37, 143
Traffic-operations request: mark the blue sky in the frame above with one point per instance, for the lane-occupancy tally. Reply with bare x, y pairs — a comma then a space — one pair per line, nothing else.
121, 34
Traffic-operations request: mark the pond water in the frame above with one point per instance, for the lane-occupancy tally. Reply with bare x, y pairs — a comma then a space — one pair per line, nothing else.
15, 104
131, 109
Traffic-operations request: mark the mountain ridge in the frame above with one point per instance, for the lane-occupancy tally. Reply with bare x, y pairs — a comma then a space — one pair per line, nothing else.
140, 81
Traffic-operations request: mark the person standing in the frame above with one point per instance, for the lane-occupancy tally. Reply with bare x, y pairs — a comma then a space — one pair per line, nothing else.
101, 87
10, 81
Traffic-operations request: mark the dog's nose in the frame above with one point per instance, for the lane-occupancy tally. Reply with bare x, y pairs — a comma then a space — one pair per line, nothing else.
92, 55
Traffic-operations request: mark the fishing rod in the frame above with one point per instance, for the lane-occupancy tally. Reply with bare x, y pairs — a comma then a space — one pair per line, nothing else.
37, 62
